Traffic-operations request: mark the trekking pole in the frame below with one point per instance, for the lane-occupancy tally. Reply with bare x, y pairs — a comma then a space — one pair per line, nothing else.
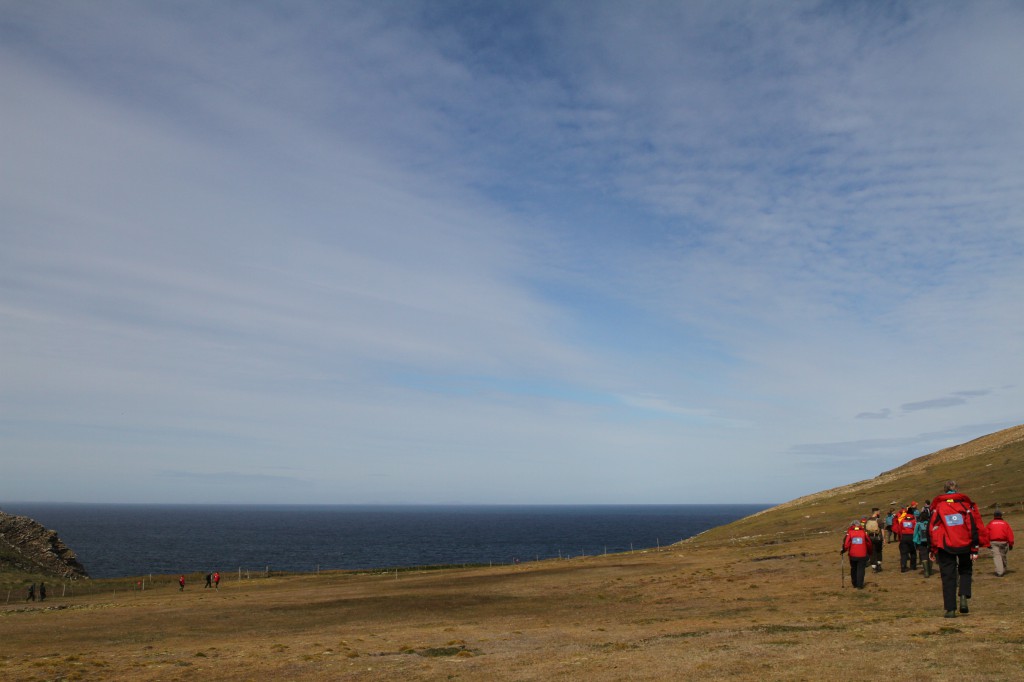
842, 573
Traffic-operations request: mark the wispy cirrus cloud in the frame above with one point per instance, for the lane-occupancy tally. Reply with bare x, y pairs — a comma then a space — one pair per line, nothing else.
453, 243
882, 449
954, 399
234, 478
934, 404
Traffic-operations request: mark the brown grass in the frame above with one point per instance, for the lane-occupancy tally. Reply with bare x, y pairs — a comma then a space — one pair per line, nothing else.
759, 599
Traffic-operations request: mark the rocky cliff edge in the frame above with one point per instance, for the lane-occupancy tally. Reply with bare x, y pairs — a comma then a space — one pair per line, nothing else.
25, 545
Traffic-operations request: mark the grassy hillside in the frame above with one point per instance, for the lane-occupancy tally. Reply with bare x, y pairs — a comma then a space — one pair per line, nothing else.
765, 598
989, 469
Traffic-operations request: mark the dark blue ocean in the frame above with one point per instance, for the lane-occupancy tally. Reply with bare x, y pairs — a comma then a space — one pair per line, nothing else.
116, 540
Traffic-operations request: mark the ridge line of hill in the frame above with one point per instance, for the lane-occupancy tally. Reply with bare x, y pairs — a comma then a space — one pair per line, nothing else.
990, 469
27, 546
977, 447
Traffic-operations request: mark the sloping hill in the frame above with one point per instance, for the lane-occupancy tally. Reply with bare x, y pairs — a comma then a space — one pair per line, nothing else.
765, 598
989, 469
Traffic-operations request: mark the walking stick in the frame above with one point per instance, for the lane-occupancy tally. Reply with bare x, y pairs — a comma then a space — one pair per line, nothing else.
842, 573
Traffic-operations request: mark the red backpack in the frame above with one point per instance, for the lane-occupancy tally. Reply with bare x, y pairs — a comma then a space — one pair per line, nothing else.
953, 519
858, 543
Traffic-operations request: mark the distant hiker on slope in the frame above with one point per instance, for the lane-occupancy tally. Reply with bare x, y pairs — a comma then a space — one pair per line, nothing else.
903, 526
957, 533
181, 583
1000, 537
874, 528
922, 544
858, 544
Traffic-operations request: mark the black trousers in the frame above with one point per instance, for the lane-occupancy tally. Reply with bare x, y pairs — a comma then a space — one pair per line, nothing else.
908, 552
877, 543
952, 567
857, 567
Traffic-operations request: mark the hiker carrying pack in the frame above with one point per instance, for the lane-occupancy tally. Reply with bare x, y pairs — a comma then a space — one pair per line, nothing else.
956, 525
922, 543
875, 529
956, 534
903, 527
858, 545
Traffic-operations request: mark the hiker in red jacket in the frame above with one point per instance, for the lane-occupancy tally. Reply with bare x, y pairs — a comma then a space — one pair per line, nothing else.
1000, 537
957, 533
903, 526
858, 544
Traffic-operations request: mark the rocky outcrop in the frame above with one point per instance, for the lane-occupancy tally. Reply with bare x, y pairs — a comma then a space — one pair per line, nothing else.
26, 545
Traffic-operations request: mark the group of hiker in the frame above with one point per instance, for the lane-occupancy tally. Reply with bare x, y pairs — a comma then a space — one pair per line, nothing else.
949, 531
212, 580
31, 594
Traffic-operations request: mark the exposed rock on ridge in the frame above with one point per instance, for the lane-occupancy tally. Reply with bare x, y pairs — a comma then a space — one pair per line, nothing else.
25, 545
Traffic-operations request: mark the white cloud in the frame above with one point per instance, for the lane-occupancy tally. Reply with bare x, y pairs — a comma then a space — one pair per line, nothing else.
425, 255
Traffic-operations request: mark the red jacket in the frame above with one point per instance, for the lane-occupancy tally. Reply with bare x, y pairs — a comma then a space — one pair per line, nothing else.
1000, 531
942, 535
857, 543
904, 524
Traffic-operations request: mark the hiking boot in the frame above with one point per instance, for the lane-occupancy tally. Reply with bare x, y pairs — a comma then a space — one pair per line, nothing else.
963, 605
950, 614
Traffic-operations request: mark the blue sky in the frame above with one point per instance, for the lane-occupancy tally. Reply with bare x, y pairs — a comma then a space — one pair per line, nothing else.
508, 252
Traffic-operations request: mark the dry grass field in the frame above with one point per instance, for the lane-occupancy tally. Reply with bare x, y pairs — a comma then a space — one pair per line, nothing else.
763, 598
